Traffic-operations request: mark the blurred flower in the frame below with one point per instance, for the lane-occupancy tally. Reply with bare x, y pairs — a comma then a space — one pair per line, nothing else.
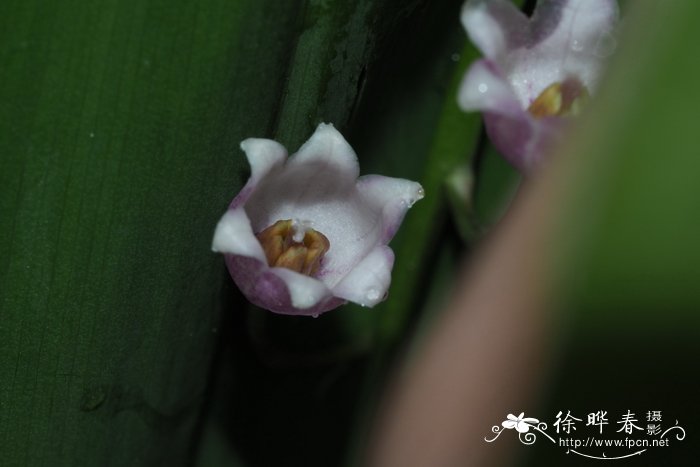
522, 425
536, 71
305, 234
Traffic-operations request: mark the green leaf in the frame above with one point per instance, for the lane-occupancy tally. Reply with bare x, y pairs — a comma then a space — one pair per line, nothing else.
634, 237
382, 77
628, 255
119, 126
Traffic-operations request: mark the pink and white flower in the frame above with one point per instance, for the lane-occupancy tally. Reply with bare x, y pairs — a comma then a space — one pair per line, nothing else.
536, 71
305, 234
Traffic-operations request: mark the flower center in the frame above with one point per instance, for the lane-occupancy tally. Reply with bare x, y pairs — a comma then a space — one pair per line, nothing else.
292, 245
559, 99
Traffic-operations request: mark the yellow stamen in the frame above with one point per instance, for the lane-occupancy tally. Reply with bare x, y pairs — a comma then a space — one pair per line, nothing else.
558, 99
282, 250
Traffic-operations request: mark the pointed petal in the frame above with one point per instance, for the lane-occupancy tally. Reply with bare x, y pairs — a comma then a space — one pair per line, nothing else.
520, 137
280, 290
321, 174
579, 32
304, 291
509, 424
574, 25
264, 155
391, 197
485, 89
328, 162
569, 38
234, 235
494, 26
368, 282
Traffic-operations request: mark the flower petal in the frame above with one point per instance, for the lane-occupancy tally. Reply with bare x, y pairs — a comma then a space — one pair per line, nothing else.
522, 139
316, 184
579, 26
264, 155
391, 197
234, 235
327, 161
494, 26
304, 291
277, 289
280, 290
568, 38
484, 88
318, 189
352, 227
368, 282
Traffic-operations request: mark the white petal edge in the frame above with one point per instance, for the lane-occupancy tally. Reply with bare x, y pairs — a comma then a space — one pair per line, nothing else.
367, 283
578, 25
568, 38
234, 235
304, 291
489, 24
584, 37
263, 155
485, 90
392, 197
328, 148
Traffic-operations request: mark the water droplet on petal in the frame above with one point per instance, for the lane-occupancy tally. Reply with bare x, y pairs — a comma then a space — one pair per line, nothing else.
483, 88
314, 315
576, 45
373, 294
606, 45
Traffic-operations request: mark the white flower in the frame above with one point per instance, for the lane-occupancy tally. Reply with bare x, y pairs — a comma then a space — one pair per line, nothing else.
305, 234
536, 71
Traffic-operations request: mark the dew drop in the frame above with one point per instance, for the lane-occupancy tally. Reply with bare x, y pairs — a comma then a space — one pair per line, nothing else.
483, 88
314, 315
606, 45
576, 45
455, 57
372, 294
